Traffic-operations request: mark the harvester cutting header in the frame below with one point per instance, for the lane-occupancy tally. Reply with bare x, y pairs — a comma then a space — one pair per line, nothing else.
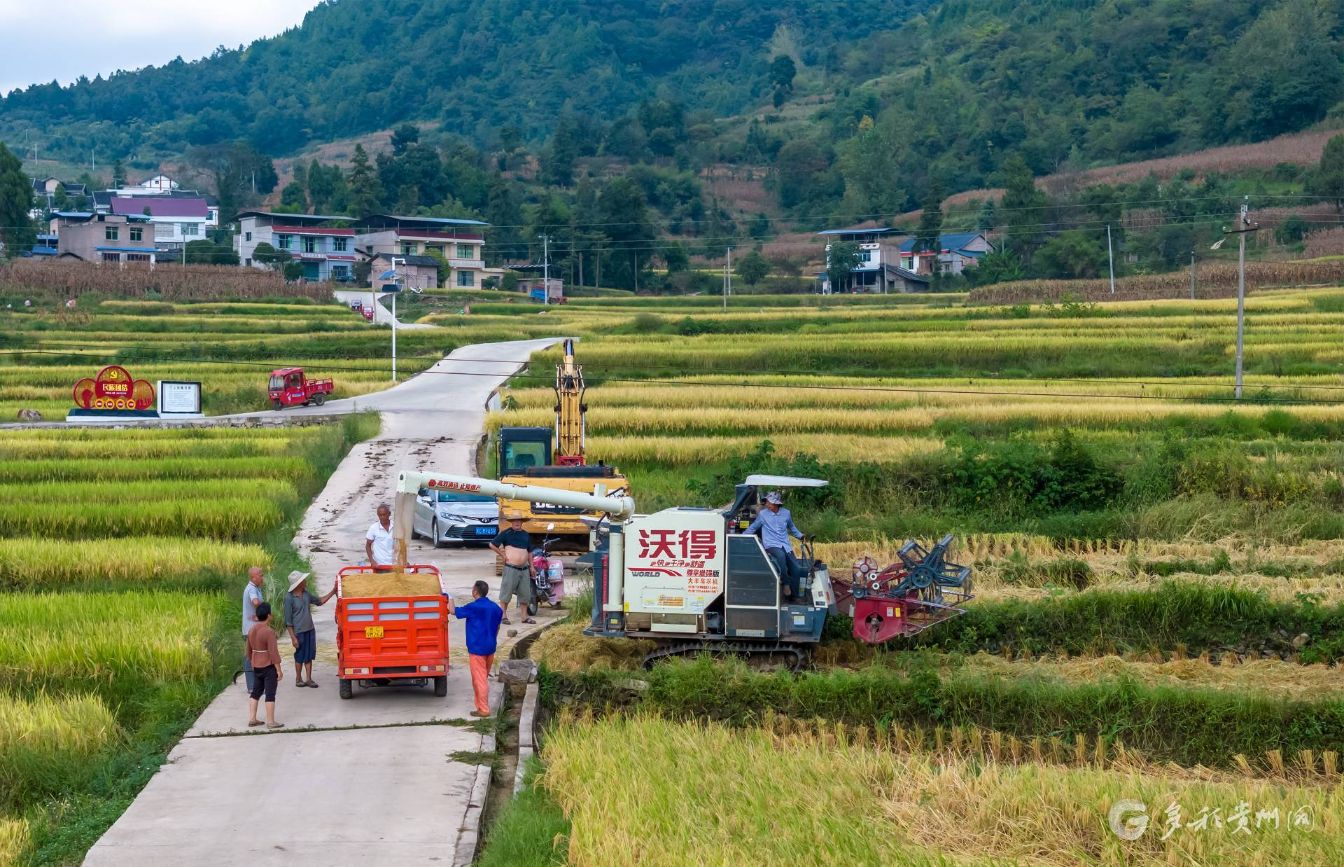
692, 580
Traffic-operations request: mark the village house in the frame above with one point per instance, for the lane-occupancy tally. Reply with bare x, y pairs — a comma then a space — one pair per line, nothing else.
956, 252
91, 237
323, 244
412, 271
879, 269
52, 194
177, 220
461, 243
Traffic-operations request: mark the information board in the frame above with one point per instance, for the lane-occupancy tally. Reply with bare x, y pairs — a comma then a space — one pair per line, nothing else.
179, 398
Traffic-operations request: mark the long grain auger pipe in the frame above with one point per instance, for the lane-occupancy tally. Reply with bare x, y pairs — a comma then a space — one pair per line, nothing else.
409, 482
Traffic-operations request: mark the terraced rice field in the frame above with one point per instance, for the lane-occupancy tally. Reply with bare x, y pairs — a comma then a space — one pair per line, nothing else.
1159, 574
118, 603
229, 347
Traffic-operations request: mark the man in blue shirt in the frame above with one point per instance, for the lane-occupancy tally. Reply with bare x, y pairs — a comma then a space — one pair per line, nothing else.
483, 617
775, 525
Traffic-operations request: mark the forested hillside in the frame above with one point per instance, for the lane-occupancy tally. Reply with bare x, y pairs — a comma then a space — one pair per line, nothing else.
949, 89
361, 65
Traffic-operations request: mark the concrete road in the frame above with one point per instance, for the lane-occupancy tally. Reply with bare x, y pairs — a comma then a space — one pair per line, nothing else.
391, 776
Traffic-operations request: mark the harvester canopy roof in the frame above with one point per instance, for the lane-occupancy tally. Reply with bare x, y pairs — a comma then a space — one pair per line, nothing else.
764, 481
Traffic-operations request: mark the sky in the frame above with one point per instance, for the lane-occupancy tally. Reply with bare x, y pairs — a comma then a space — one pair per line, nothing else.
64, 39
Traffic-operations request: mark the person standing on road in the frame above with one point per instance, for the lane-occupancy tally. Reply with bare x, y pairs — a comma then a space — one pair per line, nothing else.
302, 630
252, 597
514, 545
378, 542
266, 665
483, 617
775, 524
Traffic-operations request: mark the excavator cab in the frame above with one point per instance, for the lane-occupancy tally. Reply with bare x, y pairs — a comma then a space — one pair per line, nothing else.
521, 448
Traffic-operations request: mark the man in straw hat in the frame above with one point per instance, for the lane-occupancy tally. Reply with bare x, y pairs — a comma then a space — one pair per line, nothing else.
514, 545
299, 621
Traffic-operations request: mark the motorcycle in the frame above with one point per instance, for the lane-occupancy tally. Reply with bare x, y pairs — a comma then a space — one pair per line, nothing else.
548, 577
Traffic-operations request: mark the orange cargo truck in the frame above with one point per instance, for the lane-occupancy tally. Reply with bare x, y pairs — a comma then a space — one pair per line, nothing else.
391, 628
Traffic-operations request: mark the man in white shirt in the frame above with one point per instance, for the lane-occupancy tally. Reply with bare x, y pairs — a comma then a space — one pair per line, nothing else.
379, 545
252, 597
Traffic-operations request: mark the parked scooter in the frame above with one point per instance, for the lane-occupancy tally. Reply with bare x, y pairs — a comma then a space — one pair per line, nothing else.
548, 577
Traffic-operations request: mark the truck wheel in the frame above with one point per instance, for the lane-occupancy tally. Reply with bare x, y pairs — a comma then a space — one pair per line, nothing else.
441, 686
319, 399
347, 689
277, 404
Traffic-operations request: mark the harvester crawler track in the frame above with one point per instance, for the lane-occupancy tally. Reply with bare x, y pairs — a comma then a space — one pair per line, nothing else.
794, 658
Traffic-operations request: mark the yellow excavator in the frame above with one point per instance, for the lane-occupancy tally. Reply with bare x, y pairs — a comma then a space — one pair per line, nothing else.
556, 458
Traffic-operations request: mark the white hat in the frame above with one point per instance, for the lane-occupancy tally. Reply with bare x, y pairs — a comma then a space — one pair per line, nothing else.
296, 578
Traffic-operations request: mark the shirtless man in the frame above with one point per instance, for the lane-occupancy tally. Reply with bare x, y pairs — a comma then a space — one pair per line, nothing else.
515, 546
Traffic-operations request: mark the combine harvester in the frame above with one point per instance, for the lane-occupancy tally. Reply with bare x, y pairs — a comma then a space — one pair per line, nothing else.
693, 581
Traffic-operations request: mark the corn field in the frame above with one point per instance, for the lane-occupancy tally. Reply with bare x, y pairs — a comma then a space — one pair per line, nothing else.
62, 280
1213, 280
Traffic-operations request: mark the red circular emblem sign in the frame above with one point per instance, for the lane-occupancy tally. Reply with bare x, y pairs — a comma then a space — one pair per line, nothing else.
114, 388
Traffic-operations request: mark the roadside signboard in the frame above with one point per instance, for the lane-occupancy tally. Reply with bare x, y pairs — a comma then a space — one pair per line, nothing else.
114, 390
178, 399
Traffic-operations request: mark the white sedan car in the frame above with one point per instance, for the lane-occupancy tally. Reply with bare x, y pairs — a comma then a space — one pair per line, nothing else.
452, 516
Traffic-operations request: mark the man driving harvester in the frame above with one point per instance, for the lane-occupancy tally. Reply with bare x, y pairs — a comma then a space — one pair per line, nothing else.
775, 525
514, 546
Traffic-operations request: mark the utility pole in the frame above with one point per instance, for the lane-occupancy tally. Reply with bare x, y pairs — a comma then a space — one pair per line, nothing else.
728, 277
1192, 275
1243, 228
545, 270
1110, 255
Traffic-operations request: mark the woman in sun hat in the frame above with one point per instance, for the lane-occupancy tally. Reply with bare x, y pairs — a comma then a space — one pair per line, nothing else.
299, 621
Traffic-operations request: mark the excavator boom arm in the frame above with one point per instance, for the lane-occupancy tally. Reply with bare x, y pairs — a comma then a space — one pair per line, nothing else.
569, 409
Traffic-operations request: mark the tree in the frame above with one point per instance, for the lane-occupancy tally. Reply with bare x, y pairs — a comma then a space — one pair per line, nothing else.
842, 258
557, 160
118, 175
782, 71
365, 191
675, 257
403, 137
294, 198
624, 215
1328, 179
16, 199
928, 237
1073, 254
1022, 208
233, 166
269, 256
753, 268
802, 172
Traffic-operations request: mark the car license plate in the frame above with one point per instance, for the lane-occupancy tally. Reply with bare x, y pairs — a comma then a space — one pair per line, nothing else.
373, 632
485, 531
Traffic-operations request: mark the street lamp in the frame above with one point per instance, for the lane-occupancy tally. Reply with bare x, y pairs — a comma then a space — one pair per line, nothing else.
396, 288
